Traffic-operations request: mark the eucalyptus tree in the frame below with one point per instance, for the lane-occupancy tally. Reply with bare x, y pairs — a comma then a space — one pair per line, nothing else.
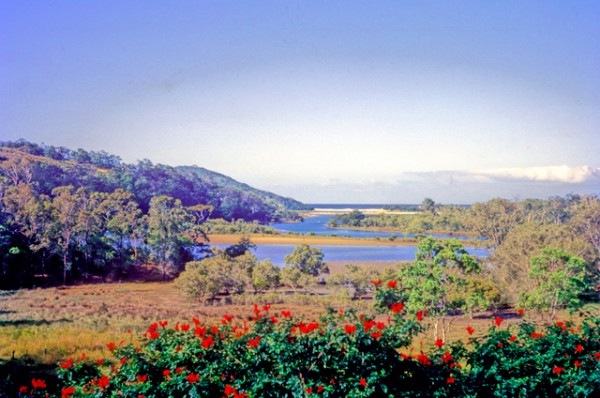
559, 280
65, 207
168, 222
437, 281
494, 219
308, 260
29, 214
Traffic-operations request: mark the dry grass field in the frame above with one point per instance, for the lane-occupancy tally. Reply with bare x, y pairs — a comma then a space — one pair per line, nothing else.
41, 327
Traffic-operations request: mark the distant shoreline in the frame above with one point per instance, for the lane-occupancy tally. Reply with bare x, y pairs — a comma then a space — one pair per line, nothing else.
265, 239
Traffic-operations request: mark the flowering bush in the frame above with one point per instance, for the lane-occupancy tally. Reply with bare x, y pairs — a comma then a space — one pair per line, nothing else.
344, 354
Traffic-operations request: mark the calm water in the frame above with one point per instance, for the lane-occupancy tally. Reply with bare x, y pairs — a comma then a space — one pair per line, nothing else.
318, 226
347, 253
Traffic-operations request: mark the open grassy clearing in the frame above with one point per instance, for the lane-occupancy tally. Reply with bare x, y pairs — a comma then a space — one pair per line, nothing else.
49, 325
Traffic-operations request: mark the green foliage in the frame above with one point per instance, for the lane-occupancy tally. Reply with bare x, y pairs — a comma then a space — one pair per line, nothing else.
295, 279
437, 280
217, 274
559, 278
221, 226
357, 279
308, 260
344, 354
352, 219
265, 276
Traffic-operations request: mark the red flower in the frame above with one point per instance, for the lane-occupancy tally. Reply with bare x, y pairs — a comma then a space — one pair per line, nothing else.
286, 314
185, 327
557, 369
500, 345
513, 338
446, 357
420, 315
38, 383
470, 330
380, 325
376, 283
208, 342
450, 380
23, 389
363, 382
111, 346
266, 307
253, 343
193, 378
376, 335
423, 359
368, 325
350, 329
579, 348
535, 335
142, 379
103, 382
439, 343
578, 364
308, 390
397, 307
320, 389
521, 311
229, 390
68, 364
392, 284
67, 391
498, 320
166, 372
100, 361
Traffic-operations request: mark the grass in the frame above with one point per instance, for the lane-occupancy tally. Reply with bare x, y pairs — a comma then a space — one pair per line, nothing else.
42, 327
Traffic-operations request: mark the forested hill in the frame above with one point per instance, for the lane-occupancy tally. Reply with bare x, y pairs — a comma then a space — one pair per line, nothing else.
49, 167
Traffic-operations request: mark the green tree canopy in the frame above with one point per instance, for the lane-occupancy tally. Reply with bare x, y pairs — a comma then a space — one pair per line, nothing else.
308, 260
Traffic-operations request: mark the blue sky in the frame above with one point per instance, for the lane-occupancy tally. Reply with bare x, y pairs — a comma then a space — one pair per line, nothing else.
348, 101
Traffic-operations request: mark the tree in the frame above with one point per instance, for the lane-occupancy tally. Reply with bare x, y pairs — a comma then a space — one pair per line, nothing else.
559, 280
244, 245
436, 281
265, 276
30, 215
511, 260
295, 279
307, 260
66, 205
428, 206
494, 219
355, 278
219, 273
167, 222
201, 279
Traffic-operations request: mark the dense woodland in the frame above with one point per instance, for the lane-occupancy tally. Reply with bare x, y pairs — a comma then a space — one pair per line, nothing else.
70, 215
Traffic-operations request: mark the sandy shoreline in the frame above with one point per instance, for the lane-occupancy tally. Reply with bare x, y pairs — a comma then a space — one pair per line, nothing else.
264, 239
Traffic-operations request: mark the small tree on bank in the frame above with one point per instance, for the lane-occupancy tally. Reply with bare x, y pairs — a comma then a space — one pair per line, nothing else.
559, 279
307, 260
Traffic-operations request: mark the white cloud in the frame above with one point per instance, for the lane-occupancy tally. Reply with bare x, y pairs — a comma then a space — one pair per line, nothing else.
564, 174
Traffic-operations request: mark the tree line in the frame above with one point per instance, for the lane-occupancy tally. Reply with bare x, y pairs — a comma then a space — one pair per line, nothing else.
74, 234
47, 167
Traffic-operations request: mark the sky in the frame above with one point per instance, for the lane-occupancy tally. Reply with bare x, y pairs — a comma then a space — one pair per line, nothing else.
326, 102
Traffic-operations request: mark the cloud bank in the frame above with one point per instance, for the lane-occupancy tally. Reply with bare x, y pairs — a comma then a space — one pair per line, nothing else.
448, 186
563, 174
